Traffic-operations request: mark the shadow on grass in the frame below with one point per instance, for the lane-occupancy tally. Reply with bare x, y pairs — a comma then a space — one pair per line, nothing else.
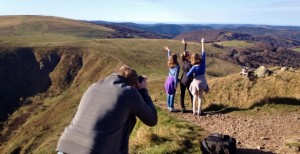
220, 108
223, 109
276, 100
158, 140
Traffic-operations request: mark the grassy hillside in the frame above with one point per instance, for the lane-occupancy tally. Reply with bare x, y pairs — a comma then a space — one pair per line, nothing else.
37, 125
38, 28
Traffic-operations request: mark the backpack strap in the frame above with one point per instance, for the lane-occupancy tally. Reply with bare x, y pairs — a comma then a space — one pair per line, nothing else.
207, 147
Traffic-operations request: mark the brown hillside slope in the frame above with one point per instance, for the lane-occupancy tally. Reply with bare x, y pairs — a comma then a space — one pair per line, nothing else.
44, 115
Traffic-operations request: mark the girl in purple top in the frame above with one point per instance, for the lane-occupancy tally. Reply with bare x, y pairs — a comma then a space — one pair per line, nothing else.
172, 80
199, 83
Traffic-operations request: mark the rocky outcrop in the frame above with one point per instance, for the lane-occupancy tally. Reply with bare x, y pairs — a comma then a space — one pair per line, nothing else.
25, 72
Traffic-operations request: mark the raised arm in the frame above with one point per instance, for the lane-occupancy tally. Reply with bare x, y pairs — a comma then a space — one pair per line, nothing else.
203, 61
202, 44
185, 45
168, 50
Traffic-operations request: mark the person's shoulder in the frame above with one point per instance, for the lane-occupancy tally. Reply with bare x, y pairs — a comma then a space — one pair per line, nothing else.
131, 92
130, 89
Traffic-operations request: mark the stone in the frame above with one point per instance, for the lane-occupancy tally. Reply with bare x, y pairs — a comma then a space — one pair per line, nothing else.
262, 71
264, 138
283, 69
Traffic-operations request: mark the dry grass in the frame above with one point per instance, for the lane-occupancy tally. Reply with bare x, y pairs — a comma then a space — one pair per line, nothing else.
237, 91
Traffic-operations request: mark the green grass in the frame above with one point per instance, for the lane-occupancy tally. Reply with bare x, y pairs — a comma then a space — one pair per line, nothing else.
240, 44
170, 135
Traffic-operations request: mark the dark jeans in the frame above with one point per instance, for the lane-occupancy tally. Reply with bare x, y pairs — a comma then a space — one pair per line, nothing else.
182, 94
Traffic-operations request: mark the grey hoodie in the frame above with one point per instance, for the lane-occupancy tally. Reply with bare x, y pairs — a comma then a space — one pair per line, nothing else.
105, 118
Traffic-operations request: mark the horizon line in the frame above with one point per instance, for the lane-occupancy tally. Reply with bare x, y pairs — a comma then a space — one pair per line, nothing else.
160, 22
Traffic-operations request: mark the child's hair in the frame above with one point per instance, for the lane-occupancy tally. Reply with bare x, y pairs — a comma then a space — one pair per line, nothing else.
172, 61
130, 75
185, 56
195, 59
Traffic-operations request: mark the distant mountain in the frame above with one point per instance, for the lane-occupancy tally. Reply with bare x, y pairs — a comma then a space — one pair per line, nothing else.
130, 30
256, 35
233, 26
260, 32
291, 33
262, 54
166, 30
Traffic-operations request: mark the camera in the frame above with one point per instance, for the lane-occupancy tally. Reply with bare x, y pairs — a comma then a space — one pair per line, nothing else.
141, 78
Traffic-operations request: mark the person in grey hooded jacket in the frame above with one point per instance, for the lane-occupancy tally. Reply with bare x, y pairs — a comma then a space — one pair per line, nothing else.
107, 115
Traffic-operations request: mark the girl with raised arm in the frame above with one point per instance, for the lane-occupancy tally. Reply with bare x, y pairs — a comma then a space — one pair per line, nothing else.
185, 81
172, 80
199, 84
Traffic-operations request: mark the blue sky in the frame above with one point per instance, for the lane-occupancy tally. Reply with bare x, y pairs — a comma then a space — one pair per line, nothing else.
270, 12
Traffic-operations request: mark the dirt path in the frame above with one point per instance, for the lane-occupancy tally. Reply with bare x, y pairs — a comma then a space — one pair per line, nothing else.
261, 132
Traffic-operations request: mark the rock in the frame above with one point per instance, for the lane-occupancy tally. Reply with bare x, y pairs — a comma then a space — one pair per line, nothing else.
264, 138
283, 69
262, 71
259, 147
292, 69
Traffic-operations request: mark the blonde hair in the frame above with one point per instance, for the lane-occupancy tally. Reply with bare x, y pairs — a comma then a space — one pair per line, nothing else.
172, 61
195, 59
130, 75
